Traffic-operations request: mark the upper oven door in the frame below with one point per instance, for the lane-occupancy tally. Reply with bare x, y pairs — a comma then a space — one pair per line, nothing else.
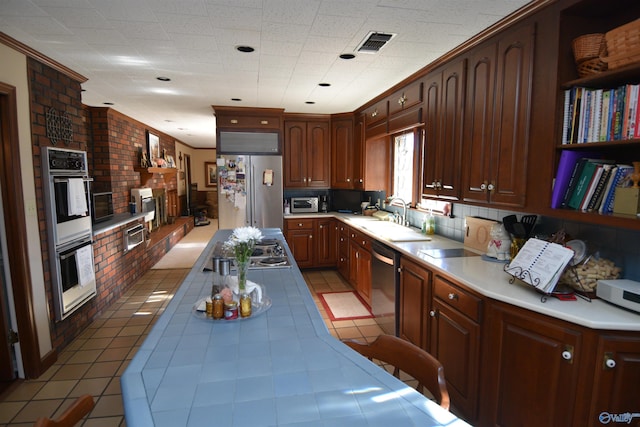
70, 208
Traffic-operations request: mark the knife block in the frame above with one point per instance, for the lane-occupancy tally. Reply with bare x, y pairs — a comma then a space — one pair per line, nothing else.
627, 200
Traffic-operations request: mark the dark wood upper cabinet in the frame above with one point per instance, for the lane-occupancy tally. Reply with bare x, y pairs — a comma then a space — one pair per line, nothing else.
306, 154
444, 112
342, 153
497, 123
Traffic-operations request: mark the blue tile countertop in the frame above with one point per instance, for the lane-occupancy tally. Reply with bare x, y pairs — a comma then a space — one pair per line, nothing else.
279, 368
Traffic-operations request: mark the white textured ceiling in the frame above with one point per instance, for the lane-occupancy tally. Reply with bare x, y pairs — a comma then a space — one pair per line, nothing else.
121, 46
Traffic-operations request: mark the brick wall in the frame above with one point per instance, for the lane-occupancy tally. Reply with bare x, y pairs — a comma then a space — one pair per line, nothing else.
112, 141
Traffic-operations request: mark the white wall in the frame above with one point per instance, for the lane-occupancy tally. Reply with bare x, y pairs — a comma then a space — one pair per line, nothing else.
14, 72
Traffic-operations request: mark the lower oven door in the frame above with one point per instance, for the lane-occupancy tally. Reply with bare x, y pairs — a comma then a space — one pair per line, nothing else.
75, 274
71, 222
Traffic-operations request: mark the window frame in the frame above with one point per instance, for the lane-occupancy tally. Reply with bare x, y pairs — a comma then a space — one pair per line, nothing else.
416, 182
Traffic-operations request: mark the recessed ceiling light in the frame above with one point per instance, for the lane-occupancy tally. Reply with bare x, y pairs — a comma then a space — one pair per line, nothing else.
347, 56
310, 102
236, 99
245, 49
168, 121
324, 84
108, 103
164, 79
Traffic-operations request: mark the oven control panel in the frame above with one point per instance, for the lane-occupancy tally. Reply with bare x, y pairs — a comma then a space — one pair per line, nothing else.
67, 160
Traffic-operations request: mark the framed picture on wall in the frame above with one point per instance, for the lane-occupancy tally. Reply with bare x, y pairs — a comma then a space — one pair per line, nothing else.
153, 145
210, 174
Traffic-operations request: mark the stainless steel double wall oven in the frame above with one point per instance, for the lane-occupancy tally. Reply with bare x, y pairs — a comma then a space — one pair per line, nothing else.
67, 189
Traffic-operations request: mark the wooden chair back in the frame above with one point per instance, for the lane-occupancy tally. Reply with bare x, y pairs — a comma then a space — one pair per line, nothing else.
411, 359
74, 413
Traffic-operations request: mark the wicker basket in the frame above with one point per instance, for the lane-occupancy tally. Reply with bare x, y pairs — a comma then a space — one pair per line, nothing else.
588, 46
623, 45
591, 66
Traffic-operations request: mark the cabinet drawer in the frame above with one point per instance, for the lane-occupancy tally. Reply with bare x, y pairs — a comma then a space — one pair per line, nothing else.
249, 122
406, 98
376, 115
300, 224
457, 298
360, 239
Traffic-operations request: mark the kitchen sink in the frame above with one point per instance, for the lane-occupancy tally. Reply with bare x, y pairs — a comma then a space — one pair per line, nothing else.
389, 231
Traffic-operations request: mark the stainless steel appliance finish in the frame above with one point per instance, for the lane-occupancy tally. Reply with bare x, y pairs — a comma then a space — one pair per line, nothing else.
69, 227
249, 191
304, 204
385, 286
102, 206
269, 253
133, 237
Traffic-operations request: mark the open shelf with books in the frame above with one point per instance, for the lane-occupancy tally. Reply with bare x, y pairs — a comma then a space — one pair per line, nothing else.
600, 122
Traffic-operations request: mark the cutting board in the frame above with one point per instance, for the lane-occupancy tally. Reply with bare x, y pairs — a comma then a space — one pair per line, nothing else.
478, 232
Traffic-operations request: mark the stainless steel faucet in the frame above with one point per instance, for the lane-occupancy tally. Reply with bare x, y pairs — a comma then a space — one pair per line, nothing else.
404, 209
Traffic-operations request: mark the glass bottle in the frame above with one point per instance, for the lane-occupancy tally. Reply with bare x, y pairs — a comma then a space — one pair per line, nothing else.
216, 286
245, 305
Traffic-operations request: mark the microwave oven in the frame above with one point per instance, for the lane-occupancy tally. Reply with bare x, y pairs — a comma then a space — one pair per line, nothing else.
102, 206
304, 204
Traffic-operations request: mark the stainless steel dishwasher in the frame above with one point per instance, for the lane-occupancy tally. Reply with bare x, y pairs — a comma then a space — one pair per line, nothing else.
385, 283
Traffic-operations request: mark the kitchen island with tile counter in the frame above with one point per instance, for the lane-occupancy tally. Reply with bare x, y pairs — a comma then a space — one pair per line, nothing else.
281, 367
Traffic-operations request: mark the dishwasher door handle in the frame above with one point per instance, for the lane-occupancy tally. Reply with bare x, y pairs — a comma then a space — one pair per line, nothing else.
381, 257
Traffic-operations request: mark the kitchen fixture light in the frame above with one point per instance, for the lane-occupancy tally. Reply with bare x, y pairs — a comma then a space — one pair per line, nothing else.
236, 99
108, 103
310, 102
163, 79
324, 84
245, 49
347, 56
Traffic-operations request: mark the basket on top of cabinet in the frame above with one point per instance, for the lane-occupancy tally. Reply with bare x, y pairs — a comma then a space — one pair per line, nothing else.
623, 45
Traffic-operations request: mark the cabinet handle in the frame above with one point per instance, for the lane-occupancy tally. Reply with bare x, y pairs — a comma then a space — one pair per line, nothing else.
361, 180
309, 179
491, 187
348, 179
483, 186
304, 179
264, 122
432, 313
402, 100
234, 121
311, 236
374, 113
299, 224
452, 296
567, 354
364, 243
321, 226
609, 361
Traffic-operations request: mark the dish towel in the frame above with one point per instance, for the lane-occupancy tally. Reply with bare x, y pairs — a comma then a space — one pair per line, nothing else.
252, 288
77, 202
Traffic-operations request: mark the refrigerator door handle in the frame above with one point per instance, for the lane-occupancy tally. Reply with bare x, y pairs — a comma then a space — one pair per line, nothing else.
252, 218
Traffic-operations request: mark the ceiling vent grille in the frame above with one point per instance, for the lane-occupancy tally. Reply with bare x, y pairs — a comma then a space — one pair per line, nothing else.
374, 41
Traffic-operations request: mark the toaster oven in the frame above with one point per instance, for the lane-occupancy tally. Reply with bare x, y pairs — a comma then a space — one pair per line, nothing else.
304, 204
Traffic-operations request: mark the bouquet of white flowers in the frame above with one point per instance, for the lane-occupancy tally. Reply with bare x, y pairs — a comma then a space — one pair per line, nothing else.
242, 242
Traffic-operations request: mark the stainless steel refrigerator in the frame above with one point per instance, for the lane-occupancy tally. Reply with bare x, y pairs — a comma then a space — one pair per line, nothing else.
249, 191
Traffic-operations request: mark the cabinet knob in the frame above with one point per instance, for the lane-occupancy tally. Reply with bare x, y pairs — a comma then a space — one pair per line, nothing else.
309, 179
491, 187
483, 186
348, 179
234, 121
452, 296
432, 313
311, 236
321, 226
364, 243
360, 180
374, 113
567, 354
299, 224
264, 122
609, 361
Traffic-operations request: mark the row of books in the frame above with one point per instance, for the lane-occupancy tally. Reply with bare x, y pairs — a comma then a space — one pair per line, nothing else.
597, 115
587, 183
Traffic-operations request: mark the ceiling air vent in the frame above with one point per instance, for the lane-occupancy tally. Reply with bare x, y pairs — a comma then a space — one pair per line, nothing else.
374, 41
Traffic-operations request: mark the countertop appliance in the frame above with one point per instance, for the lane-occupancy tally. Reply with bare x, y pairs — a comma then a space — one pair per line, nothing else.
143, 198
622, 292
385, 286
249, 191
102, 206
304, 204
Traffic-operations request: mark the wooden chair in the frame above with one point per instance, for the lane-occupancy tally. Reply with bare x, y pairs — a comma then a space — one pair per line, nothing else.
74, 413
411, 359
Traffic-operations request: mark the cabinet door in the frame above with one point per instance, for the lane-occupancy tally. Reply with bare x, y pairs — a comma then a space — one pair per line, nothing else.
444, 97
415, 294
449, 147
343, 250
318, 158
302, 246
455, 342
512, 117
342, 154
326, 243
295, 154
363, 274
479, 123
615, 387
535, 363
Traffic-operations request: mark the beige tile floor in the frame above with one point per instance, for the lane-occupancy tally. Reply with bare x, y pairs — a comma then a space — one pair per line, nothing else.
94, 361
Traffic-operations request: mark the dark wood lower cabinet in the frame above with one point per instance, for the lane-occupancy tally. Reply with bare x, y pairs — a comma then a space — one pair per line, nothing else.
532, 369
415, 296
